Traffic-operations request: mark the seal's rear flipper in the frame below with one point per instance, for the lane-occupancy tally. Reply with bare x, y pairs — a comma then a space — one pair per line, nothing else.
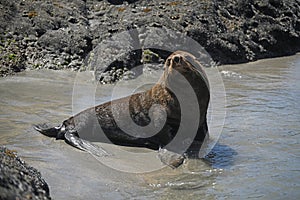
48, 130
169, 158
71, 137
74, 140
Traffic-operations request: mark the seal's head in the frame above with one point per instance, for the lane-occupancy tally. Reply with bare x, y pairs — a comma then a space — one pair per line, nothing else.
183, 68
188, 66
180, 61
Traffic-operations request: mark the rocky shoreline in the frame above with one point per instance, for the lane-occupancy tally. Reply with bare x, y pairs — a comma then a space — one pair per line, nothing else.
60, 34
18, 180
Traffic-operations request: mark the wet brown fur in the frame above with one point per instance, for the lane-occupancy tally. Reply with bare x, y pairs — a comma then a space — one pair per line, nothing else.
140, 103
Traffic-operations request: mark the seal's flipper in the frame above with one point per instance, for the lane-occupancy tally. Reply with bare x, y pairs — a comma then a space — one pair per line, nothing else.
169, 158
84, 145
48, 130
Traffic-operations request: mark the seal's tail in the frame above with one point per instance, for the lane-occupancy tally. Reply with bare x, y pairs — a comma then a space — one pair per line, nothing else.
48, 130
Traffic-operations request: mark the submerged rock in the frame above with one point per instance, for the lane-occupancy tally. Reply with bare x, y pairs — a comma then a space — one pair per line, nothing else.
18, 180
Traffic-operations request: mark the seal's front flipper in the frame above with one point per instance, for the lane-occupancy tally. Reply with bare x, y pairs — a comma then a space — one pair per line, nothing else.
171, 159
72, 139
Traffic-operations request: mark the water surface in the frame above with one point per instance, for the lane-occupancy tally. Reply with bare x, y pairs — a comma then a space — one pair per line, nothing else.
257, 156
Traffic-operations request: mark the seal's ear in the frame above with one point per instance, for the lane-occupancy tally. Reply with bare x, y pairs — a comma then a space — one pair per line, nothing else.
167, 63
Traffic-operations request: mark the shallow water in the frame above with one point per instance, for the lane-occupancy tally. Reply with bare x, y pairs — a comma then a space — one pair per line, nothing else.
257, 156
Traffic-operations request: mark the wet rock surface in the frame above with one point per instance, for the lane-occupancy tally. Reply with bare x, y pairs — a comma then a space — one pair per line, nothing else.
60, 34
18, 180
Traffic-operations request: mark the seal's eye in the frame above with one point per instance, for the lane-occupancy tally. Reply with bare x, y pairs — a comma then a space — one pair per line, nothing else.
177, 59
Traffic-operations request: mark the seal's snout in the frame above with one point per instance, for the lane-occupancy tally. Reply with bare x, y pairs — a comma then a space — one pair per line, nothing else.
173, 61
177, 59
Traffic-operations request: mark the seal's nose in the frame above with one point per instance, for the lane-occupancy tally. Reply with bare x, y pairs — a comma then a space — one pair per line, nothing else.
176, 59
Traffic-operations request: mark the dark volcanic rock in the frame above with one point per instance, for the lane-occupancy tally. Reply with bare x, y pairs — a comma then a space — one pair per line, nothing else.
60, 34
18, 180
119, 52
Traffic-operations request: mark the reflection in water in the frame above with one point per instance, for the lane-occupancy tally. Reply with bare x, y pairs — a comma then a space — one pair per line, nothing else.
257, 155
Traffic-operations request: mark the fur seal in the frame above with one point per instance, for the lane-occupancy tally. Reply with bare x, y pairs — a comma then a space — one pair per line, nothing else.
139, 106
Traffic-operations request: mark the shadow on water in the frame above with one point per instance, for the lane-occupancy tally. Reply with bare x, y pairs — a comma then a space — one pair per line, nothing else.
221, 157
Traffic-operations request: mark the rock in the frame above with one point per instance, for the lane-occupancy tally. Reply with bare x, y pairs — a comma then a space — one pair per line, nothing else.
12, 56
231, 31
118, 52
18, 180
